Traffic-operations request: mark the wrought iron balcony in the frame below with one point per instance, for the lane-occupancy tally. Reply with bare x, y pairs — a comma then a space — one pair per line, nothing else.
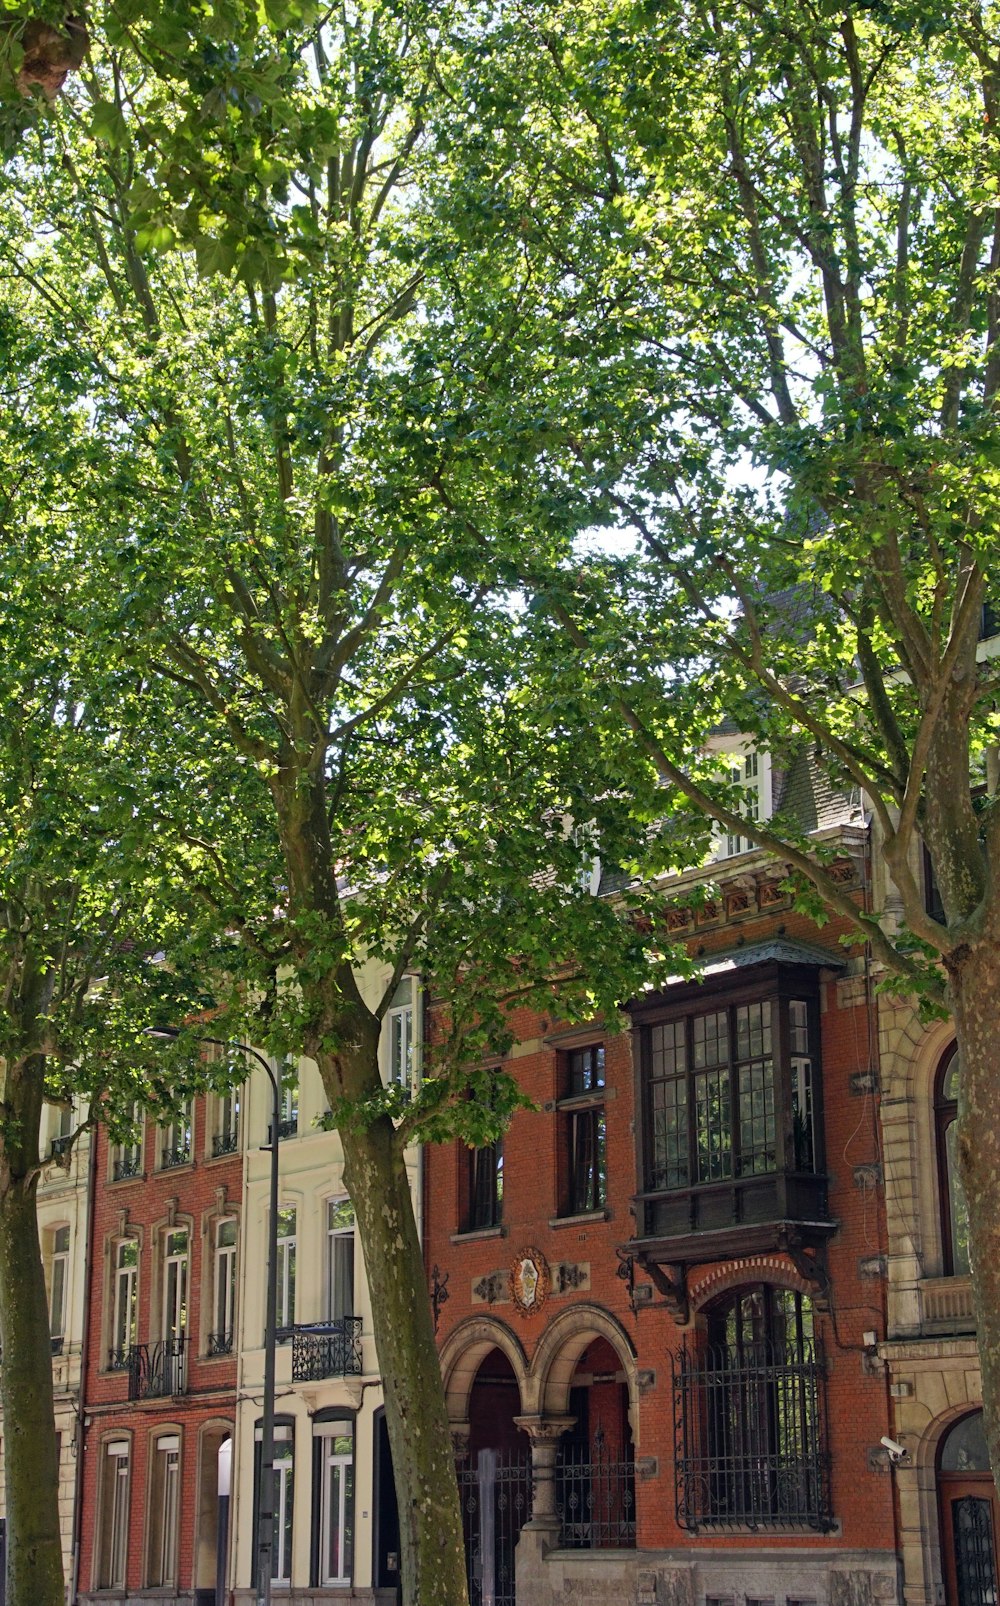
595, 1498
225, 1143
171, 1157
157, 1371
287, 1128
220, 1343
130, 1165
324, 1349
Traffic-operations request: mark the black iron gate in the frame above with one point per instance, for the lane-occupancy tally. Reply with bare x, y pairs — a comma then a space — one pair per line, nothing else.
496, 1503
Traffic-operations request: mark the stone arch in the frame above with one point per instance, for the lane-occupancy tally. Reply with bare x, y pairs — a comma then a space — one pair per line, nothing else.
462, 1353
753, 1269
558, 1352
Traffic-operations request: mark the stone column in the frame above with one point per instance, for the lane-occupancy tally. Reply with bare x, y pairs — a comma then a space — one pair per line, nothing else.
544, 1433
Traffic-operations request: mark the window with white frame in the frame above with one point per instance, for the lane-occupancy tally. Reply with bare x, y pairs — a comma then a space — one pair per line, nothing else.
175, 1140
125, 1301
175, 1284
287, 1245
58, 1285
164, 1511
126, 1159
284, 1491
62, 1128
288, 1106
339, 1259
749, 770
334, 1441
226, 1137
399, 1034
220, 1341
113, 1536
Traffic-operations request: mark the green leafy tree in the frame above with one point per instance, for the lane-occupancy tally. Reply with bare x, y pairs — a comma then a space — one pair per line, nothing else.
306, 490
79, 914
779, 229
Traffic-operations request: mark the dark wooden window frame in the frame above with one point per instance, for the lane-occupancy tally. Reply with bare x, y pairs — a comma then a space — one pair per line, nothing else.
945, 1114
583, 1138
780, 984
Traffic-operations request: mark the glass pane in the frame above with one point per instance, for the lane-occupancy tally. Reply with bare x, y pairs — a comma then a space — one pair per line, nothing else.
958, 1208
669, 1159
949, 1086
757, 1126
713, 1134
339, 1215
227, 1233
964, 1449
711, 1039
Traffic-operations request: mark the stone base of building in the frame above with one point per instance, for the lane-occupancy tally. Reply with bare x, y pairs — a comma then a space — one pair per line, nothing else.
793, 1577
319, 1597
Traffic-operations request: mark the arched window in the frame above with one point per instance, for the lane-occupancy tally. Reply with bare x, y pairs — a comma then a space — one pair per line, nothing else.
751, 1403
968, 1513
954, 1211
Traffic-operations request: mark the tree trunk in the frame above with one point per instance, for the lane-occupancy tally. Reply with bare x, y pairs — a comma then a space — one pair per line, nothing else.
975, 991
34, 1546
433, 1551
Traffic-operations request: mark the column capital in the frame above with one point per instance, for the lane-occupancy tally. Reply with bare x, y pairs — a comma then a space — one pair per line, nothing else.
544, 1429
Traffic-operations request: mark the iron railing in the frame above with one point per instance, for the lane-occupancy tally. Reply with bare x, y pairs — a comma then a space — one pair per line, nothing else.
156, 1371
60, 1146
495, 1494
287, 1128
225, 1143
129, 1166
749, 1442
220, 1343
171, 1157
118, 1360
595, 1497
324, 1349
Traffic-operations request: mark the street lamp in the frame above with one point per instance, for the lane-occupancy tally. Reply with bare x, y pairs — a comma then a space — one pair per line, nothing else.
265, 1502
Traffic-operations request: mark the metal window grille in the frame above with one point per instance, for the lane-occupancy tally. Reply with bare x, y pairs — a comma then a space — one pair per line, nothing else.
177, 1156
220, 1343
225, 1142
749, 1437
325, 1349
156, 1371
129, 1166
495, 1494
595, 1497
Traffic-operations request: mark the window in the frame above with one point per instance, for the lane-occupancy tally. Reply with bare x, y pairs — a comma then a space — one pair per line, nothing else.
127, 1156
113, 1536
126, 1277
62, 1128
288, 1119
175, 1141
175, 1286
750, 1403
220, 1341
58, 1287
286, 1265
954, 1210
713, 1083
164, 1510
584, 1120
333, 1500
284, 1490
339, 1259
399, 1029
226, 1137
485, 1186
751, 772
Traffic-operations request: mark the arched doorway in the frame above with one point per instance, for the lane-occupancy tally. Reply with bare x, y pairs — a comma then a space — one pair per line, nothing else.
969, 1515
495, 1482
386, 1536
595, 1479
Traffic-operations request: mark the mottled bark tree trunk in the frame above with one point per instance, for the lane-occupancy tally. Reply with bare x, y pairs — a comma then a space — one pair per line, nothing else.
975, 995
433, 1552
34, 1546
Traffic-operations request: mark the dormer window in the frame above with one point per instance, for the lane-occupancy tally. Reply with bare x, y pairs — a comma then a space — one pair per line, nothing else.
750, 770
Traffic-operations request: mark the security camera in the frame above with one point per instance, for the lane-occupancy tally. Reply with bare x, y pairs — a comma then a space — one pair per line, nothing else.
895, 1450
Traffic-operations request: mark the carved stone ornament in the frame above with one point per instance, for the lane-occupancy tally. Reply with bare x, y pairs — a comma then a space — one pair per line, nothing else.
530, 1281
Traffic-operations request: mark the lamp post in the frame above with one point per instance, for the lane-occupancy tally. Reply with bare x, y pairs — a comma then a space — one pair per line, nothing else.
265, 1499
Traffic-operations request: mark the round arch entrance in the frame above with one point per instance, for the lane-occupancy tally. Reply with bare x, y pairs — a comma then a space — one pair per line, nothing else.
969, 1515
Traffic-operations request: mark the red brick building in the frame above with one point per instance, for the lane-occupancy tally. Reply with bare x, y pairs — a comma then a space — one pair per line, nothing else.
663, 1293
159, 1388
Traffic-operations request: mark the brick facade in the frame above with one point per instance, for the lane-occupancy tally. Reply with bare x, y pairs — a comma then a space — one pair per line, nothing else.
194, 1406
